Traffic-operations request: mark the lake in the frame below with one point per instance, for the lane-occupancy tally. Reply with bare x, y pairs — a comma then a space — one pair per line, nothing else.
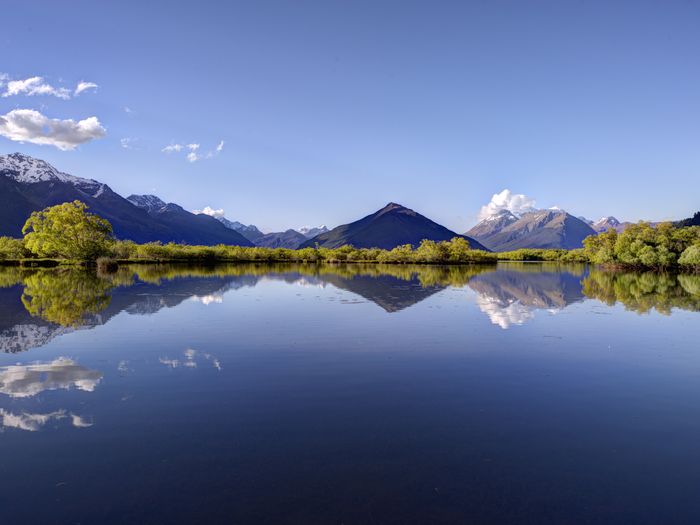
523, 393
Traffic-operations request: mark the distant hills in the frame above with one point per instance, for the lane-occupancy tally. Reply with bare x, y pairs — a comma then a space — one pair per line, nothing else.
288, 239
552, 228
387, 228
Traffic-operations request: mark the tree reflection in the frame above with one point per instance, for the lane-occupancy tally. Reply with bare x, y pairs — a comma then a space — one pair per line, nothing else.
65, 297
642, 292
72, 297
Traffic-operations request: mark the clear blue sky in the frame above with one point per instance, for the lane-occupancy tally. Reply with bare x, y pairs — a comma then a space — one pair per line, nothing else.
330, 109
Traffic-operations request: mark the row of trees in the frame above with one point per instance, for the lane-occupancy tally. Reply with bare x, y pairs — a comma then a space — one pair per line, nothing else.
642, 245
69, 231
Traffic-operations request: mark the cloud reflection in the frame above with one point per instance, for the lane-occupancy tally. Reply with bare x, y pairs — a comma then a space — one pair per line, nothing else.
34, 422
62, 373
190, 359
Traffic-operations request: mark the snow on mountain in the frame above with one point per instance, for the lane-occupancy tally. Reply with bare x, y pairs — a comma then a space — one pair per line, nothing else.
309, 231
149, 203
28, 170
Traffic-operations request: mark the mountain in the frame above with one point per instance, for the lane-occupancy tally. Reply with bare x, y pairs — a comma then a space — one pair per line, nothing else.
493, 224
28, 184
387, 228
187, 227
289, 239
249, 231
310, 233
537, 229
692, 221
609, 223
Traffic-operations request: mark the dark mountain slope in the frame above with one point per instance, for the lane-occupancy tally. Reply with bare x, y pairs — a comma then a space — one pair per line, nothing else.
387, 228
187, 227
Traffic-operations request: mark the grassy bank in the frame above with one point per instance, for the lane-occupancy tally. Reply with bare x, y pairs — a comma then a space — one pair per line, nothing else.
456, 251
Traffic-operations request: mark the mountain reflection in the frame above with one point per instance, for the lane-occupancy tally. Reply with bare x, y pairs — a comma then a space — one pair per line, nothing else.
37, 305
510, 296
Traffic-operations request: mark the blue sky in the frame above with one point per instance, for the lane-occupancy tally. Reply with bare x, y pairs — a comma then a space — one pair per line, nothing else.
328, 110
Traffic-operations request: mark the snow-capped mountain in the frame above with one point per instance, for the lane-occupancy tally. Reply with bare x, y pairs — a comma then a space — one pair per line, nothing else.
552, 228
28, 170
609, 223
493, 224
309, 232
249, 231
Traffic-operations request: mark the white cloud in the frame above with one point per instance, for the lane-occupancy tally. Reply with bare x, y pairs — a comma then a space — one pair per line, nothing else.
507, 200
83, 86
62, 373
28, 125
210, 211
128, 110
37, 85
172, 147
127, 143
194, 154
34, 86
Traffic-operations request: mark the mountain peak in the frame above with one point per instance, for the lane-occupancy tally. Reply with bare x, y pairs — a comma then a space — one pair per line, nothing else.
147, 202
611, 221
29, 170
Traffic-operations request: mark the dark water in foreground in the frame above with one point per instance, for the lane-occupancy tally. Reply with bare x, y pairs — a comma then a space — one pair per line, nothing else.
523, 394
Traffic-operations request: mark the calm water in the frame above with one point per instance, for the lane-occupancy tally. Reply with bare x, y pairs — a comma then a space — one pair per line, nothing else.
292, 394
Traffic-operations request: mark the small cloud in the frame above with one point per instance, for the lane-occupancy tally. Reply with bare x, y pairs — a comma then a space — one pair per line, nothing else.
172, 147
128, 110
28, 125
507, 200
34, 86
83, 86
127, 143
210, 211
194, 154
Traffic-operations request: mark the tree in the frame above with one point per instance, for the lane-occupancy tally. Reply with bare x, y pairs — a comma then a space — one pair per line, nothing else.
691, 256
68, 231
12, 248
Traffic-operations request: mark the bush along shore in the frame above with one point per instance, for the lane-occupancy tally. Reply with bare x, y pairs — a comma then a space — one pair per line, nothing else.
69, 234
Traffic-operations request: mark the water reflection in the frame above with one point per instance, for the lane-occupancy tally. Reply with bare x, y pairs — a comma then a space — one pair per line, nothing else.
512, 295
190, 359
38, 305
29, 380
34, 422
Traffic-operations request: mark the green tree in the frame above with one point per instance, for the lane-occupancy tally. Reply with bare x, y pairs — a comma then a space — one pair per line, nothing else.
691, 256
68, 231
11, 248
